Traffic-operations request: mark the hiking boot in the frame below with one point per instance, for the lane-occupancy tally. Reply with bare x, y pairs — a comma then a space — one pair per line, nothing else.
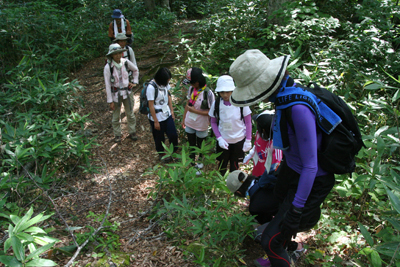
262, 262
199, 165
117, 139
295, 255
259, 231
133, 136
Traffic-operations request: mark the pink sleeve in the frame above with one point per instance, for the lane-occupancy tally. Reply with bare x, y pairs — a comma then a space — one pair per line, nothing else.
214, 127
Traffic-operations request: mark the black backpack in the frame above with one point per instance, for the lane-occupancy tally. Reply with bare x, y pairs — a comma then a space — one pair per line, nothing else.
204, 103
338, 149
216, 109
144, 104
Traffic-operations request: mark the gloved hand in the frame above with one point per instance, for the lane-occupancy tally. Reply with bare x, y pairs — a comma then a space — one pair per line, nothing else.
290, 223
249, 156
247, 145
222, 143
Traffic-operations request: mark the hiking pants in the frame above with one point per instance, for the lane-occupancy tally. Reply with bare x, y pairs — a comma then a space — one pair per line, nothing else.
130, 116
233, 155
166, 127
285, 189
263, 204
195, 139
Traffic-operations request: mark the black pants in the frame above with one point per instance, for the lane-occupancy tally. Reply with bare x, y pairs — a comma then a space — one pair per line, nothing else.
166, 127
194, 141
233, 155
263, 204
285, 190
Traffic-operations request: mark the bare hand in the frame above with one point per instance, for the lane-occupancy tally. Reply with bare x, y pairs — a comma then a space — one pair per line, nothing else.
131, 85
112, 107
157, 126
173, 116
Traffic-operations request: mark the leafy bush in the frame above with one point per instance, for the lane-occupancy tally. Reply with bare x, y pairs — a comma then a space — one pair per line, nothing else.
24, 235
198, 212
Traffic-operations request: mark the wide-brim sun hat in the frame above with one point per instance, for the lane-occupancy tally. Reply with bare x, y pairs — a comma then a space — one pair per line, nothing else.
117, 14
114, 49
225, 84
120, 37
232, 181
256, 77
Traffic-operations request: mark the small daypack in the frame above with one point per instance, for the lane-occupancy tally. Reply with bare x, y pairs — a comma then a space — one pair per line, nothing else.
338, 149
144, 104
216, 109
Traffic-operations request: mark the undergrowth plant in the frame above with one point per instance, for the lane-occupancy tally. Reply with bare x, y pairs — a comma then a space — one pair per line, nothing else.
198, 212
23, 235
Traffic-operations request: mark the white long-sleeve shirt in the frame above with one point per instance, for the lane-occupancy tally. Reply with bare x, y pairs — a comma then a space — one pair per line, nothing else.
121, 79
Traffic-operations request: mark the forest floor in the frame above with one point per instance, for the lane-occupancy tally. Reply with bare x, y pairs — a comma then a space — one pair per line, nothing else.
121, 168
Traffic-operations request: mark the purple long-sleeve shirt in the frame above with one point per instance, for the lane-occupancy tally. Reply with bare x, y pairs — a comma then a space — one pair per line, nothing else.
302, 154
247, 123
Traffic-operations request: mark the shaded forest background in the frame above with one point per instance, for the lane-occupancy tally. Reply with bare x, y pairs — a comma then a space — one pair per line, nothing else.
350, 47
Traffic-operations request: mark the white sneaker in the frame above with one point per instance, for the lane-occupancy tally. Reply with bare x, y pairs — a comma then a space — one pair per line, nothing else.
199, 172
199, 165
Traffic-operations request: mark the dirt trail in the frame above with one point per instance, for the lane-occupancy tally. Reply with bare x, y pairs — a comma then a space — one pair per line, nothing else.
125, 162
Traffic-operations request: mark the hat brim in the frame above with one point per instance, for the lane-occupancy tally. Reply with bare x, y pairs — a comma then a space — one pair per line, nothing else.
252, 93
116, 52
116, 17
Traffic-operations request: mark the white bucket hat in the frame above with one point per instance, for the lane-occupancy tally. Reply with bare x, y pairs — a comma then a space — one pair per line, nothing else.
256, 77
120, 37
225, 84
114, 48
232, 181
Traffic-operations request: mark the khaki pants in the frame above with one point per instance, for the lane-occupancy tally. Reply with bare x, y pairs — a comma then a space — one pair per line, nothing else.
116, 120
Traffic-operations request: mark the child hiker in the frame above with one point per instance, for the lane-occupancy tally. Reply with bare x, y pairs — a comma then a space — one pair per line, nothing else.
119, 90
161, 116
231, 126
265, 157
195, 118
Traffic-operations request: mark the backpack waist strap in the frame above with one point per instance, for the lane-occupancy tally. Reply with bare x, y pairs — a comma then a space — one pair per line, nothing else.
116, 89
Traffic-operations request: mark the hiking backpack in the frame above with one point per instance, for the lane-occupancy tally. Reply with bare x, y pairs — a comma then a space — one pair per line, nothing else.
338, 149
216, 109
204, 103
144, 104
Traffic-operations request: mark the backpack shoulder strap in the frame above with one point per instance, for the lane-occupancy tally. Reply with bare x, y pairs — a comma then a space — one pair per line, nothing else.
152, 82
241, 113
216, 108
111, 72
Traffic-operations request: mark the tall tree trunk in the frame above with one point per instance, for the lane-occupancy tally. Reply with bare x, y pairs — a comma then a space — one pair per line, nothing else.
165, 3
275, 5
150, 5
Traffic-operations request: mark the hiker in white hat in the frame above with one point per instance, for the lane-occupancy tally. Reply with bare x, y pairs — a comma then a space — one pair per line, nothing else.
302, 184
231, 126
121, 39
119, 90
